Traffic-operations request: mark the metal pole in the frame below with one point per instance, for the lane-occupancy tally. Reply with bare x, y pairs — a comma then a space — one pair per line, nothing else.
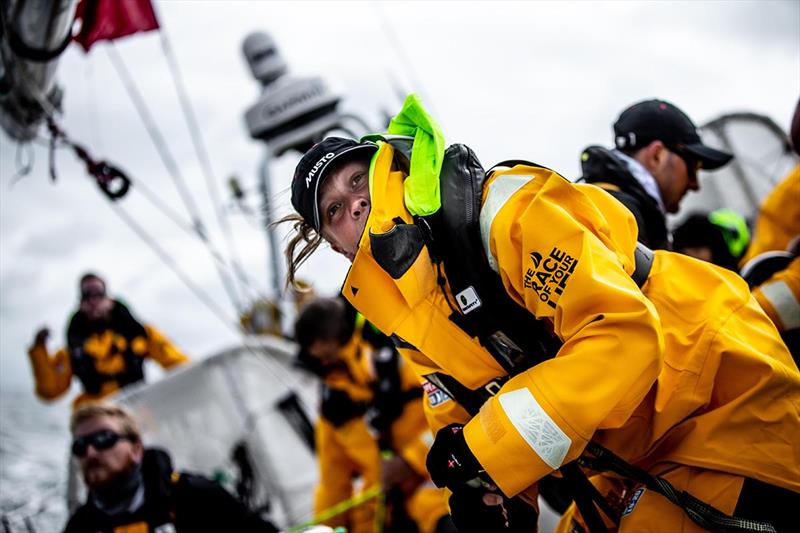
6, 523
269, 218
736, 167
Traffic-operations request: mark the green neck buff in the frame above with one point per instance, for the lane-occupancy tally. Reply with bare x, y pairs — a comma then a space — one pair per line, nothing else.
421, 193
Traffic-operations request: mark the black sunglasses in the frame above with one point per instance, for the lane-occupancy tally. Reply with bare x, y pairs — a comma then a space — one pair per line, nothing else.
693, 164
88, 295
100, 440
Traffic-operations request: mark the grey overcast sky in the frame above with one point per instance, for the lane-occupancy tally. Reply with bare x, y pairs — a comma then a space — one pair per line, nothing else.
535, 80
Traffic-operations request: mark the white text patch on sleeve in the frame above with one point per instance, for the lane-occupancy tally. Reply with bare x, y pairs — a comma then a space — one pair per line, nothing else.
536, 427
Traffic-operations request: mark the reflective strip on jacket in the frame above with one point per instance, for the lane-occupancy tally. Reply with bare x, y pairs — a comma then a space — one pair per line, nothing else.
689, 390
779, 296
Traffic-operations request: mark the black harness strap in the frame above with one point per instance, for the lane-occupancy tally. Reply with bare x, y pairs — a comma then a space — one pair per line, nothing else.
701, 513
644, 262
586, 495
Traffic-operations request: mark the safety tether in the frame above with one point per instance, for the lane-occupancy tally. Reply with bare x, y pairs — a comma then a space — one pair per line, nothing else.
111, 180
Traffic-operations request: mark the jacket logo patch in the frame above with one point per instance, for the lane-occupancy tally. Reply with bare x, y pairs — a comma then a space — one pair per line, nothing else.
468, 300
549, 275
632, 501
436, 396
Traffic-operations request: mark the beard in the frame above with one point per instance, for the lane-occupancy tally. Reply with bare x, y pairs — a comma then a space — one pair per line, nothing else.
98, 474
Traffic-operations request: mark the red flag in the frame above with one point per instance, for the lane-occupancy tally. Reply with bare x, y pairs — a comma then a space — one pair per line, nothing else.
111, 19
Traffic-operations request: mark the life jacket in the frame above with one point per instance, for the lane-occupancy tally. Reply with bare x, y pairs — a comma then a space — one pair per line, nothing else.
107, 350
446, 249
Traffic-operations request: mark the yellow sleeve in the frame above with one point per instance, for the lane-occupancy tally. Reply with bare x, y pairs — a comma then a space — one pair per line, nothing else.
53, 374
440, 409
779, 218
161, 350
554, 248
779, 297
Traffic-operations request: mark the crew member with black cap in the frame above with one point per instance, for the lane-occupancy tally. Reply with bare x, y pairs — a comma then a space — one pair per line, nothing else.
664, 360
658, 154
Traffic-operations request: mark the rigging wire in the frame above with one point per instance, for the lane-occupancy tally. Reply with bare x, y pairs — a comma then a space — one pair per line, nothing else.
172, 167
229, 322
202, 154
397, 45
23, 160
173, 265
155, 135
176, 218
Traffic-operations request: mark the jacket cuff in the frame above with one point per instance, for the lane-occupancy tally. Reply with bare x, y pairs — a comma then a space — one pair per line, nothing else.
515, 443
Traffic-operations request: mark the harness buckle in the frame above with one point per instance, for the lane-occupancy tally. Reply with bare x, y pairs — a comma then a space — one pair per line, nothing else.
493, 387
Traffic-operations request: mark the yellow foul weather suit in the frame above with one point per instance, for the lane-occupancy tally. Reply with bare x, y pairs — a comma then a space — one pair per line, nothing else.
778, 219
351, 448
106, 358
686, 377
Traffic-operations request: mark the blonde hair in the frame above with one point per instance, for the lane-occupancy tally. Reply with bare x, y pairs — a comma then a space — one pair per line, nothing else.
310, 238
128, 424
305, 235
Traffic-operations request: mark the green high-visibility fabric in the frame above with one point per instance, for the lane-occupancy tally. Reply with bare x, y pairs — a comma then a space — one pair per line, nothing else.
735, 231
421, 188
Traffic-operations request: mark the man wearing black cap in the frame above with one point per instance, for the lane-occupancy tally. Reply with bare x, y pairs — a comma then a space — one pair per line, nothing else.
655, 163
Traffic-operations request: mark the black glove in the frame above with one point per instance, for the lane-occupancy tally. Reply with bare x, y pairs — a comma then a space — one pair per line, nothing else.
477, 510
450, 461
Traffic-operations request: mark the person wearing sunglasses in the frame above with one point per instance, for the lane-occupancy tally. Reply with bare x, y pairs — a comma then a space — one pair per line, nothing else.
655, 163
133, 488
106, 348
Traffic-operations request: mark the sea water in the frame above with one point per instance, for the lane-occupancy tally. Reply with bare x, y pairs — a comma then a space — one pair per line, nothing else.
34, 440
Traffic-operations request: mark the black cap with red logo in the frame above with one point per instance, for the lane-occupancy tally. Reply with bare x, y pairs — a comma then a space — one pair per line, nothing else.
657, 120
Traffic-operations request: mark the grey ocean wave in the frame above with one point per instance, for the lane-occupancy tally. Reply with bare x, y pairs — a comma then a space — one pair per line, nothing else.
34, 439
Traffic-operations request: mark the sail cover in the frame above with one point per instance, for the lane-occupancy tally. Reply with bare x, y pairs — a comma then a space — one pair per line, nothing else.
204, 412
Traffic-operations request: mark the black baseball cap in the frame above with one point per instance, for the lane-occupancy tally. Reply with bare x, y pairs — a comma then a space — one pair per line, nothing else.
313, 168
657, 120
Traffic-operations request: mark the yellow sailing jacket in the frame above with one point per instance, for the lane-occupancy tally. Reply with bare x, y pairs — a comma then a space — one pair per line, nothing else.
410, 436
778, 219
686, 370
779, 296
352, 447
53, 373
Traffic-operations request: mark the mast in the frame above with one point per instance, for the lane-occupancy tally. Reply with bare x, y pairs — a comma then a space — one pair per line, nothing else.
34, 34
292, 113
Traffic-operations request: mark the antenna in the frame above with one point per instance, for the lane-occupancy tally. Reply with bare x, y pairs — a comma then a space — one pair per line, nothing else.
292, 113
